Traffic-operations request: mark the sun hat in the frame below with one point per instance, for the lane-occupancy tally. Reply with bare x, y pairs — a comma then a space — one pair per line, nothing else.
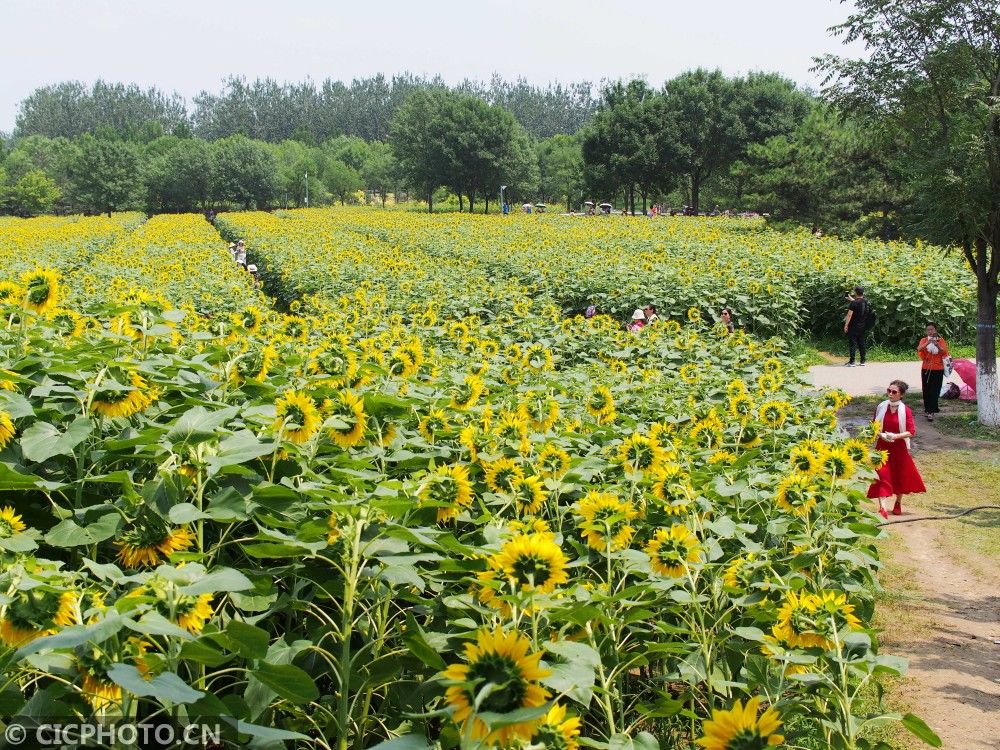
252, 268
638, 315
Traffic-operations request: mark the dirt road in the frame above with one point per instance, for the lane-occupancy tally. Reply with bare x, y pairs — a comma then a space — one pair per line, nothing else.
952, 640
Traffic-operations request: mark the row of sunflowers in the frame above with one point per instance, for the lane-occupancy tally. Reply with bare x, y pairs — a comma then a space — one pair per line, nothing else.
776, 283
432, 516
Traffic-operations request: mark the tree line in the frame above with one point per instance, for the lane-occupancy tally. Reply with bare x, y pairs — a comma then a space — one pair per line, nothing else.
743, 142
268, 110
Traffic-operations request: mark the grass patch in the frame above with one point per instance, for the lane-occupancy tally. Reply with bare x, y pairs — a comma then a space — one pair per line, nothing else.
806, 353
881, 352
957, 480
967, 426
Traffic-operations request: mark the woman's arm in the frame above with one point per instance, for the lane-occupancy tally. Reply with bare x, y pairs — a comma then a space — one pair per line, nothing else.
944, 348
922, 345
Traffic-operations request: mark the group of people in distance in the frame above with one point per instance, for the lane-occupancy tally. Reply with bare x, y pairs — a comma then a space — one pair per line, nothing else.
239, 252
644, 316
899, 475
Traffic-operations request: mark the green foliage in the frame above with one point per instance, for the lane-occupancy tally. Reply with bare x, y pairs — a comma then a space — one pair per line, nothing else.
181, 178
31, 195
103, 175
245, 172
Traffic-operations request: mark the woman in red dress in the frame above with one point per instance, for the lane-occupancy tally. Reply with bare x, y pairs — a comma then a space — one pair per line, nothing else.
899, 476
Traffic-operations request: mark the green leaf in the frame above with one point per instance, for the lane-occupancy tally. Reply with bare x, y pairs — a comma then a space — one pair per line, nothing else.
266, 734
198, 425
248, 640
69, 533
222, 579
42, 440
288, 681
166, 686
642, 741
917, 726
406, 742
12, 479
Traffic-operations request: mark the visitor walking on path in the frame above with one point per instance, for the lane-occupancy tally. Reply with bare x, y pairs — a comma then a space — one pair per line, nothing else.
932, 350
898, 475
856, 325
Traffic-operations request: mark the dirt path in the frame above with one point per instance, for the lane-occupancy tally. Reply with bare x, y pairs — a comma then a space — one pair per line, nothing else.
952, 640
869, 380
943, 615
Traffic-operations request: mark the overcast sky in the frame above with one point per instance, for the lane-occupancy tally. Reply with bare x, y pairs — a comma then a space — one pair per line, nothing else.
187, 46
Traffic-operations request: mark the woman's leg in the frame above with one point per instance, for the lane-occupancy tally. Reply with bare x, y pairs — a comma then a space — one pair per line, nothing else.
935, 379
925, 389
897, 509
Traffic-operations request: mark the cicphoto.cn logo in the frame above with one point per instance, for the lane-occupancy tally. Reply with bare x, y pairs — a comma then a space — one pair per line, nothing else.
163, 735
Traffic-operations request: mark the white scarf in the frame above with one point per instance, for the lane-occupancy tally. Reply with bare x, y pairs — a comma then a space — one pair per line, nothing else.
901, 413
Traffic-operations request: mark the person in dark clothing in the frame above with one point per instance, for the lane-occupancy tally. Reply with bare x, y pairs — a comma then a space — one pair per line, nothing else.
854, 325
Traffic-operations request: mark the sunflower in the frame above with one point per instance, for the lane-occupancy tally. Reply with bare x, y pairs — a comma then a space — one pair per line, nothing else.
193, 612
670, 550
742, 406
10, 523
41, 289
690, 373
532, 562
768, 383
857, 450
511, 426
449, 488
120, 401
797, 625
737, 574
466, 395
499, 660
836, 463
878, 459
804, 458
334, 363
739, 728
402, 364
604, 520
6, 429
150, 541
68, 322
552, 461
434, 423
541, 412
694, 314
254, 363
601, 405
294, 328
736, 388
556, 732
673, 489
348, 411
31, 614
796, 493
502, 473
529, 494
774, 413
296, 417
98, 689
10, 293
706, 433
249, 319
639, 453
834, 613
529, 526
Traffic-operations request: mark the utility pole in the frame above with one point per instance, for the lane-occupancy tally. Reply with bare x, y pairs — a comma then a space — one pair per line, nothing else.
307, 190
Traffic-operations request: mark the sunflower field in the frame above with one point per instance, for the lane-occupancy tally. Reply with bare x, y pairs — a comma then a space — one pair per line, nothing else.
408, 499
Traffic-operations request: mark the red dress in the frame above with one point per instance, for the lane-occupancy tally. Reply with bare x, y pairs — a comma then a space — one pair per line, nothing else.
899, 476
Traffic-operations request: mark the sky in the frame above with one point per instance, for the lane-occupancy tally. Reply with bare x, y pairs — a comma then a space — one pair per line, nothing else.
188, 47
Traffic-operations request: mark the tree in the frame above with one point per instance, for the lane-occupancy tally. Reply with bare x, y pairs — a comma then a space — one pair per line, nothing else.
560, 166
707, 131
379, 170
181, 178
933, 74
31, 195
103, 174
628, 142
341, 179
419, 138
246, 173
